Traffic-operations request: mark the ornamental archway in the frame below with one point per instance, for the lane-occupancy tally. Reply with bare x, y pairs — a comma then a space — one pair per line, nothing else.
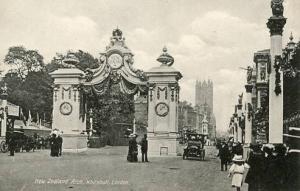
160, 84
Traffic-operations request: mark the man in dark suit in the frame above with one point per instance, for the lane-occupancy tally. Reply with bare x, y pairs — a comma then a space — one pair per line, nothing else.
144, 148
60, 141
224, 155
11, 144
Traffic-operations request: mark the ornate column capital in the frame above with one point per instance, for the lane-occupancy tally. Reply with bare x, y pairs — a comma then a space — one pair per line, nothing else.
276, 24
248, 88
277, 21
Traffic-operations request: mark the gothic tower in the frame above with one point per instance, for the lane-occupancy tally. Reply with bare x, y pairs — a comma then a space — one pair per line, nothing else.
204, 93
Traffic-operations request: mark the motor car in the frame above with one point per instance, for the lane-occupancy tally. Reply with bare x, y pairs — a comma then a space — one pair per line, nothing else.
194, 146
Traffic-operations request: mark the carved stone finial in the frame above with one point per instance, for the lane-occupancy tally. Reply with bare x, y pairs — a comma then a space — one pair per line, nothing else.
117, 34
165, 58
71, 59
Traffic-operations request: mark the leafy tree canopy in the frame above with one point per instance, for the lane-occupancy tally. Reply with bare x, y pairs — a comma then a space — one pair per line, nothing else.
24, 61
86, 60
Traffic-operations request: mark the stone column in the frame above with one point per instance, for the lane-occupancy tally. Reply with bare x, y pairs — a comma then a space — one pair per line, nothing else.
258, 98
163, 107
239, 129
235, 127
68, 115
4, 110
248, 117
276, 24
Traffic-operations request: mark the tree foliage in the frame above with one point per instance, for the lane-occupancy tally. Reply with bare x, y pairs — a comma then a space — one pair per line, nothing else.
112, 109
24, 61
34, 93
86, 60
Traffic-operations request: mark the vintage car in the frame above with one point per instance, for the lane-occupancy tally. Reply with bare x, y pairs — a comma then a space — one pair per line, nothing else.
194, 146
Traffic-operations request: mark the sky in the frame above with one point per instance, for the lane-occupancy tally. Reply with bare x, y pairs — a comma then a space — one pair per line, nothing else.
208, 39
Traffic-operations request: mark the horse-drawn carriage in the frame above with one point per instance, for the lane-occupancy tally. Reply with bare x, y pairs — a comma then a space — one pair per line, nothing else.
19, 141
194, 146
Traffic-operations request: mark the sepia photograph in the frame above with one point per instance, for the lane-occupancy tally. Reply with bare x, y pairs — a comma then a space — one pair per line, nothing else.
140, 95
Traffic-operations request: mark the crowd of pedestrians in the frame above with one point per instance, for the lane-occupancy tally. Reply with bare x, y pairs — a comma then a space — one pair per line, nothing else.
267, 168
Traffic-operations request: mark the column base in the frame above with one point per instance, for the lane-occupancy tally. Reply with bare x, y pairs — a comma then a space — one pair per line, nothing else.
163, 144
74, 143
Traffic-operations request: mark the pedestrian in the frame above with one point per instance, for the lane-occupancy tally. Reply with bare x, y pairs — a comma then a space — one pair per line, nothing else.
293, 177
237, 170
224, 155
60, 142
133, 149
237, 149
254, 176
269, 159
277, 170
144, 148
11, 144
54, 145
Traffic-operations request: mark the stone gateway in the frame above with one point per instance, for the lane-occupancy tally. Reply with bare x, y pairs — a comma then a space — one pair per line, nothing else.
116, 66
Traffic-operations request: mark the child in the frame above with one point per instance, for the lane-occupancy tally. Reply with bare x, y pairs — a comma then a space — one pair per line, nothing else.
237, 171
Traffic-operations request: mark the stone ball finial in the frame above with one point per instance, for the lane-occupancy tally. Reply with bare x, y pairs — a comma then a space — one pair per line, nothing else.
165, 49
165, 58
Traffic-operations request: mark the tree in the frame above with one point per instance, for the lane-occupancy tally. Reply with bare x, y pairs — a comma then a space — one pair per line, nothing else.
34, 93
86, 60
24, 61
110, 111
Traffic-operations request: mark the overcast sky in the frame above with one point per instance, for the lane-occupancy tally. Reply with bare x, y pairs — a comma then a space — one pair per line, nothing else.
207, 38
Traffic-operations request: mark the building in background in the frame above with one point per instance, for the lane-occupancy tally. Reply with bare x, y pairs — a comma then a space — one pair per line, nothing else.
204, 101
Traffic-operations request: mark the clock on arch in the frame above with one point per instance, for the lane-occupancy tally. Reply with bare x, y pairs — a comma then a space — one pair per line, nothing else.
115, 61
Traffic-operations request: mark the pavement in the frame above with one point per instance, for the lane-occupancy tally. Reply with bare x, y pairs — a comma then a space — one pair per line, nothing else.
107, 169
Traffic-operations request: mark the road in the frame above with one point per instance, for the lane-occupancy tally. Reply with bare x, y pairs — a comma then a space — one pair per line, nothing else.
107, 169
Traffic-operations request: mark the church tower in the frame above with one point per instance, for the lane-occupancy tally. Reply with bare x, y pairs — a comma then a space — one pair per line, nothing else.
204, 93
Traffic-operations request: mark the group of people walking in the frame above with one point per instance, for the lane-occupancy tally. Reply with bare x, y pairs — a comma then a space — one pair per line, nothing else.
227, 152
267, 168
56, 145
133, 148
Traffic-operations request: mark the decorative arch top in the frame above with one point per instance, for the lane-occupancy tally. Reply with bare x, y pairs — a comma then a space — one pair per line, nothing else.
116, 66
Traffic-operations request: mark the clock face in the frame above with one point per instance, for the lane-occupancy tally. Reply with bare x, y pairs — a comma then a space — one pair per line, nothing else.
66, 108
115, 61
162, 109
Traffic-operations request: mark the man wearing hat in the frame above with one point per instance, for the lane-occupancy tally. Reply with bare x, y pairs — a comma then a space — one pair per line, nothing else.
224, 155
144, 148
255, 176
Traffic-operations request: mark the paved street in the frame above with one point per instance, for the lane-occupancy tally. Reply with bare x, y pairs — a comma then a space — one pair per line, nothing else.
107, 169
